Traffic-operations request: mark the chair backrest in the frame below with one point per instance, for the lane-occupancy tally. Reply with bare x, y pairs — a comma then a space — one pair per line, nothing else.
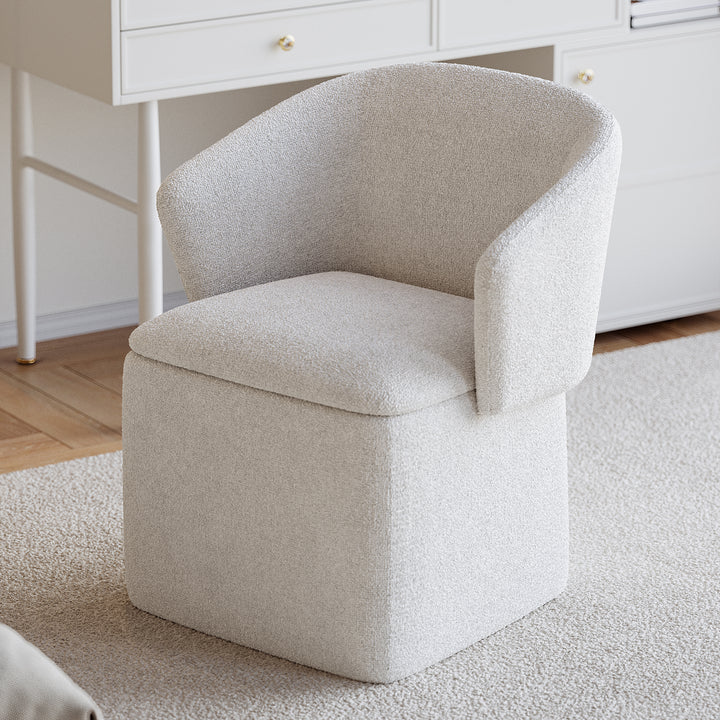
406, 172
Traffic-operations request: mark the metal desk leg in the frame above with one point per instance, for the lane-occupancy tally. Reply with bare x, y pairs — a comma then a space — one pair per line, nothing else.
23, 208
150, 278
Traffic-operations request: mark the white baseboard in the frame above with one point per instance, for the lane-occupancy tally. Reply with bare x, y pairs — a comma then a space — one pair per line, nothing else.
86, 320
645, 316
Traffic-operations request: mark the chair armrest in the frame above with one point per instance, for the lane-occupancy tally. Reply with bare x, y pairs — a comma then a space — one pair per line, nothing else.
537, 286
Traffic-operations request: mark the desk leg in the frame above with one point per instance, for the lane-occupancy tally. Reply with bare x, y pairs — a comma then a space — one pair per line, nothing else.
23, 208
150, 272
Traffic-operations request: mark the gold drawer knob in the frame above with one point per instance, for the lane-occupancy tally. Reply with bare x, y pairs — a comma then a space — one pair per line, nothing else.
287, 42
586, 76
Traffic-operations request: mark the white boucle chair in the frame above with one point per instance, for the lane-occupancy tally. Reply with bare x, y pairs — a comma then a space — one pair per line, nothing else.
349, 448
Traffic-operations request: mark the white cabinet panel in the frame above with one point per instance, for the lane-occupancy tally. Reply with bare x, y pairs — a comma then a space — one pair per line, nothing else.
465, 23
666, 96
664, 253
136, 14
197, 53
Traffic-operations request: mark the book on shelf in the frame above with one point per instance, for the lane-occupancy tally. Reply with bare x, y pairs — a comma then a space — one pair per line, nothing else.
651, 7
666, 17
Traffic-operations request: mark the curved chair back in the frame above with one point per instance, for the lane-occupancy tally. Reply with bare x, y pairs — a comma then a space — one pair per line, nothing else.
407, 172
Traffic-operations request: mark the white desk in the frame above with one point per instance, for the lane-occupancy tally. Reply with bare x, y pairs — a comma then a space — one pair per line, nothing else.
142, 51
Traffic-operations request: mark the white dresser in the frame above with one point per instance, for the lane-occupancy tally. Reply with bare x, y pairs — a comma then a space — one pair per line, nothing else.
664, 257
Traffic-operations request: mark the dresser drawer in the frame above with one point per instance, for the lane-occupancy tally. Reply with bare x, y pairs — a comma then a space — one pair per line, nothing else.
136, 14
222, 50
464, 23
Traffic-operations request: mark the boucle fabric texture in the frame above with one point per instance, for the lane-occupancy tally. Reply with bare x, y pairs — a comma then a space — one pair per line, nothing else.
339, 339
365, 546
634, 636
303, 444
449, 177
33, 687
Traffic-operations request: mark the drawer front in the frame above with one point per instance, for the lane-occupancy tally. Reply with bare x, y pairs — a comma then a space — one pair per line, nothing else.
464, 23
664, 252
217, 51
665, 96
135, 14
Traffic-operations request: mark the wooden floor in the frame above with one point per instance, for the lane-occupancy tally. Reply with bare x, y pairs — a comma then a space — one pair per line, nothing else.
65, 406
68, 405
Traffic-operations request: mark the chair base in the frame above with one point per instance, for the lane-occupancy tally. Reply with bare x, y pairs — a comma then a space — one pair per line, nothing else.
366, 546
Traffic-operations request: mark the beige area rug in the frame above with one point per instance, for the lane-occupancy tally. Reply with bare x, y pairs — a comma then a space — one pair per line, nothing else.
636, 635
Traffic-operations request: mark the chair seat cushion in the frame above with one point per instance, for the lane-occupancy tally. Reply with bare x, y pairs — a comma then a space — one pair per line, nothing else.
340, 339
